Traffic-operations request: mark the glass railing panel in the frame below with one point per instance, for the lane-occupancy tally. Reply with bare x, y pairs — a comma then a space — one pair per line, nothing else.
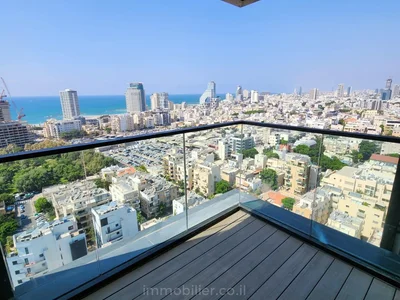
282, 170
357, 177
144, 188
46, 222
212, 172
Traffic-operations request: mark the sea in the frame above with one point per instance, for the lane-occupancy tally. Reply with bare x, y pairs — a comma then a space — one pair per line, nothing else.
38, 109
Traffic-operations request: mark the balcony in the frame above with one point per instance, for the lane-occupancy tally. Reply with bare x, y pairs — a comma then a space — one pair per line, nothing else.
230, 239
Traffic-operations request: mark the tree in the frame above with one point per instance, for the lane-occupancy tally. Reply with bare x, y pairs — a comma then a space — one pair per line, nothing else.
7, 198
342, 122
393, 155
161, 209
140, 218
45, 144
283, 142
104, 184
108, 130
331, 163
181, 184
366, 149
288, 203
8, 226
142, 168
270, 177
356, 156
270, 154
249, 153
216, 156
42, 205
222, 187
302, 149
382, 128
11, 148
74, 134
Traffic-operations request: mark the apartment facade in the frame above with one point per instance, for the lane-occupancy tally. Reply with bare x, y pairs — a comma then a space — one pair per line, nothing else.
54, 128
345, 223
45, 248
205, 176
14, 133
314, 205
297, 174
125, 190
135, 98
113, 222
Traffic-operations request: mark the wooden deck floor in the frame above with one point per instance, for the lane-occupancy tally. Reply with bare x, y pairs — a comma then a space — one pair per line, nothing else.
242, 257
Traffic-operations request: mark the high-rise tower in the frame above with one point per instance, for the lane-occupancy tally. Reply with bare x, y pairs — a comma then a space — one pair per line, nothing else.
69, 104
135, 98
209, 93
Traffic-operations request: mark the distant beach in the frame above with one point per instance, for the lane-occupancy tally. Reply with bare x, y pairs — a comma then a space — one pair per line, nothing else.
38, 109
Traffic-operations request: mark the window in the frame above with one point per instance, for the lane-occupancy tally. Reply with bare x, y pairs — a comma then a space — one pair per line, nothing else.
104, 222
14, 262
26, 261
116, 225
347, 206
29, 270
117, 232
71, 227
26, 251
19, 281
41, 255
375, 222
43, 264
17, 272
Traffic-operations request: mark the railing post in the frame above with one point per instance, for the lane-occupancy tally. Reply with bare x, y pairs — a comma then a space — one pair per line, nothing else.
392, 220
185, 181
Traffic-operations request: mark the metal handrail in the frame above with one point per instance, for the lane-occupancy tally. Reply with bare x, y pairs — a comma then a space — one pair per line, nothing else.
166, 133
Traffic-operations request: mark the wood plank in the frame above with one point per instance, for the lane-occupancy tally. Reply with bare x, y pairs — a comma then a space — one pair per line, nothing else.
380, 290
253, 280
331, 283
280, 242
203, 236
223, 264
203, 261
135, 288
277, 283
301, 287
356, 286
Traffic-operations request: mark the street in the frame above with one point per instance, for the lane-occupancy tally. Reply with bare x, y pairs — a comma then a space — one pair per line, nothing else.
29, 221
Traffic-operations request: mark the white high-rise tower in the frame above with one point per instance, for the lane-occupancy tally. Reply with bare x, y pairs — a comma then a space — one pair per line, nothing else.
69, 104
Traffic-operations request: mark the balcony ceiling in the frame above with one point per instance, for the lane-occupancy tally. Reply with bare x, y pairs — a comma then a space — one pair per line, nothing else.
240, 3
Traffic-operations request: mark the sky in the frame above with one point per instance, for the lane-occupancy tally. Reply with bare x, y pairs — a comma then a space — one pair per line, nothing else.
98, 46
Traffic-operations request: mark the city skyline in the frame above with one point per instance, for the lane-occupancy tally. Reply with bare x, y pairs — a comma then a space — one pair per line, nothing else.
200, 49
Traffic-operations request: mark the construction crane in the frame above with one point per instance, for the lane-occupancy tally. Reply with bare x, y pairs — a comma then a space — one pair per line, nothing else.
19, 112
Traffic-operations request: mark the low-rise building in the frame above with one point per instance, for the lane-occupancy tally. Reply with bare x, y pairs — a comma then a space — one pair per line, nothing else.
179, 205
314, 205
125, 190
114, 222
55, 128
205, 176
297, 174
45, 248
345, 223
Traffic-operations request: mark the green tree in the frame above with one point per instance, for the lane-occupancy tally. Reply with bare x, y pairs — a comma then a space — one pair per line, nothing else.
142, 168
269, 177
11, 148
161, 209
270, 154
288, 203
249, 153
42, 205
283, 142
356, 156
342, 122
7, 198
140, 218
104, 184
366, 149
74, 134
108, 130
181, 184
393, 155
8, 226
302, 149
222, 187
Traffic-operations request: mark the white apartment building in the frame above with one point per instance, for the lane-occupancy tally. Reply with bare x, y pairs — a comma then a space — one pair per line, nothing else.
223, 150
260, 161
122, 123
135, 98
125, 190
69, 104
113, 222
314, 205
345, 223
45, 248
390, 148
179, 205
205, 176
53, 128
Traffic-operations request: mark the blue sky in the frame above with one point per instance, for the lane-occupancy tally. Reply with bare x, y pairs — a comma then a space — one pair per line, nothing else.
97, 47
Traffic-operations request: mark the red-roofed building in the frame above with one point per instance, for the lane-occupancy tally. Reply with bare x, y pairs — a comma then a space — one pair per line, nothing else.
385, 159
274, 198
